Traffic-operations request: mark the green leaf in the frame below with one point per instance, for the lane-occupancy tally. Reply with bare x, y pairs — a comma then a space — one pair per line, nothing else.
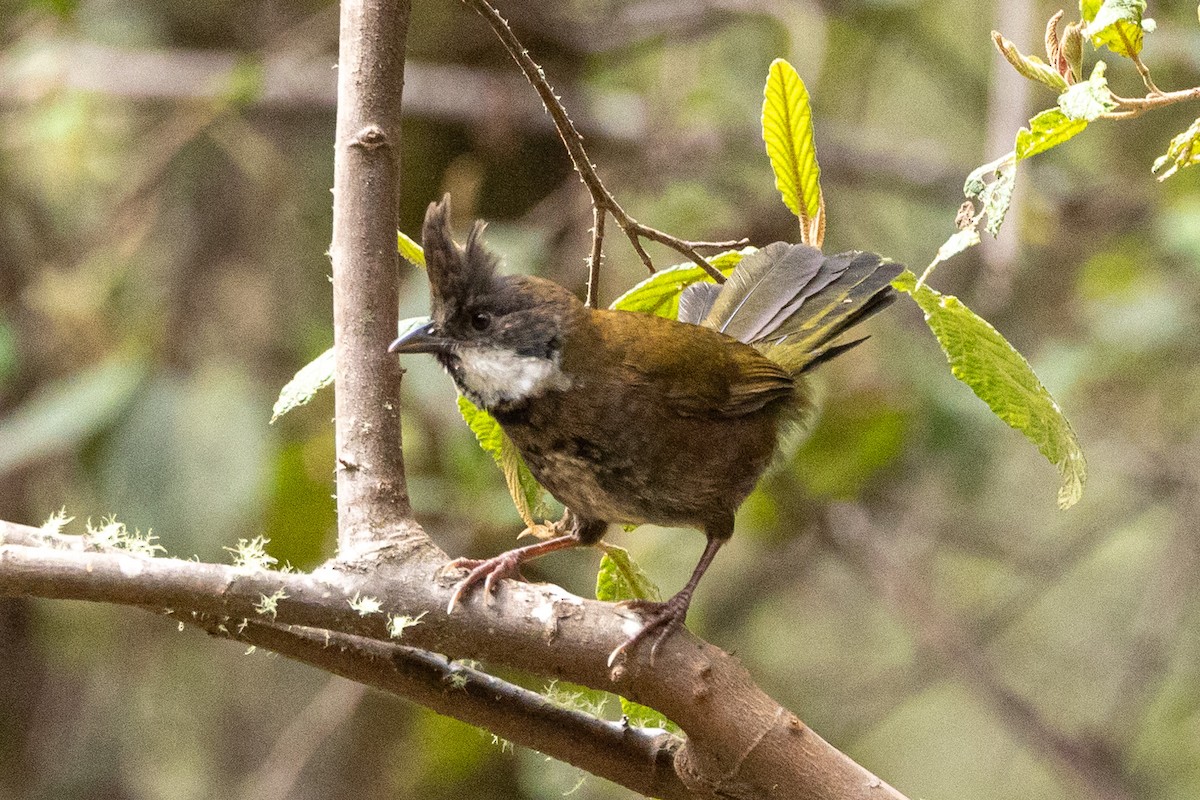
1030, 67
788, 135
526, 492
620, 578
998, 197
1048, 129
1000, 376
411, 251
1115, 24
659, 294
1183, 151
1088, 99
640, 716
318, 373
312, 378
960, 241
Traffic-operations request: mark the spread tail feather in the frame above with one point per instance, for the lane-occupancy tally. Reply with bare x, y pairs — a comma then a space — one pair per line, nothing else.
792, 301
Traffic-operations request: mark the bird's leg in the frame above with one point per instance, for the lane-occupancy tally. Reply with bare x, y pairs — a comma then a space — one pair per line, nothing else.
508, 565
662, 618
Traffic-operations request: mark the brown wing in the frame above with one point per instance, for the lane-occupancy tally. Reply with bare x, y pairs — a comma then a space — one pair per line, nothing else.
693, 370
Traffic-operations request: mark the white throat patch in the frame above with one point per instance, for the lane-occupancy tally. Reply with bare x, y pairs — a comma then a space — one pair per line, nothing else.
496, 376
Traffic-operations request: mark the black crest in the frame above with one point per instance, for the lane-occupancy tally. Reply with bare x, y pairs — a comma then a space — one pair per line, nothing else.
457, 274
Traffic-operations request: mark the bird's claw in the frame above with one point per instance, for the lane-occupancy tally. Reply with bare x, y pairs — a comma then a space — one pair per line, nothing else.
542, 531
661, 617
488, 570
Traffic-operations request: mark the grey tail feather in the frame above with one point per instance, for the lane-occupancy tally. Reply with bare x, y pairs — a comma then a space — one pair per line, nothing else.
831, 352
791, 301
762, 285
696, 300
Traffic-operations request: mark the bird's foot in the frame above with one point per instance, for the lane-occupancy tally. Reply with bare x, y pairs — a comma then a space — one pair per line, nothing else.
488, 571
662, 619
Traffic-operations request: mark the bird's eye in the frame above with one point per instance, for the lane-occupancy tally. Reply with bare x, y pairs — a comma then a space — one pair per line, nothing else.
480, 320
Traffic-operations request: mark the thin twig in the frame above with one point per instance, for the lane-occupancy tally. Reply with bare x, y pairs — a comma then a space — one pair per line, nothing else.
1142, 69
593, 284
1129, 107
602, 199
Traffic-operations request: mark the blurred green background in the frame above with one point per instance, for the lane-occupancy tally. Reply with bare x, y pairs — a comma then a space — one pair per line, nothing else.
907, 585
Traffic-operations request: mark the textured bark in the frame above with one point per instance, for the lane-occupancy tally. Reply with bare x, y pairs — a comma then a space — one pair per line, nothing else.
372, 499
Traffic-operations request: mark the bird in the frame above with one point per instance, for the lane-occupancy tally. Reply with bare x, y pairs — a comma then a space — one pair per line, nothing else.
633, 418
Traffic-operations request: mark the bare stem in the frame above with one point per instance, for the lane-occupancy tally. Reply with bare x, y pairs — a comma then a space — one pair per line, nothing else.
1142, 69
1129, 107
593, 285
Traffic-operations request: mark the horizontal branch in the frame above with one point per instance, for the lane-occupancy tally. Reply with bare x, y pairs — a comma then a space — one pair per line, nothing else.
741, 743
638, 758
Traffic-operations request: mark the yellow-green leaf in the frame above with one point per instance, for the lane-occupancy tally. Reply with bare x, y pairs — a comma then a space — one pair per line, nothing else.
1048, 129
1116, 24
1000, 376
659, 294
1030, 67
1088, 99
318, 373
304, 385
411, 251
620, 578
957, 243
993, 185
526, 492
788, 135
1184, 151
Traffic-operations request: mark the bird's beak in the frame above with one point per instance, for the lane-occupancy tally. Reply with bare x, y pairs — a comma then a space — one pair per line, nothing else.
421, 339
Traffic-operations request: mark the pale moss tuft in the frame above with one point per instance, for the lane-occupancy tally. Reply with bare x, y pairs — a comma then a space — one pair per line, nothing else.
365, 604
574, 699
251, 554
57, 521
398, 623
113, 535
269, 604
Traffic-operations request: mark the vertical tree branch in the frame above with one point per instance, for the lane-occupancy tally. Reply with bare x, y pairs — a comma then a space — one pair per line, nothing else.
372, 498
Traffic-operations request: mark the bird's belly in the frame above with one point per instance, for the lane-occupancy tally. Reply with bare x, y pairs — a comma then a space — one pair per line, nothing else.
588, 488
620, 474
